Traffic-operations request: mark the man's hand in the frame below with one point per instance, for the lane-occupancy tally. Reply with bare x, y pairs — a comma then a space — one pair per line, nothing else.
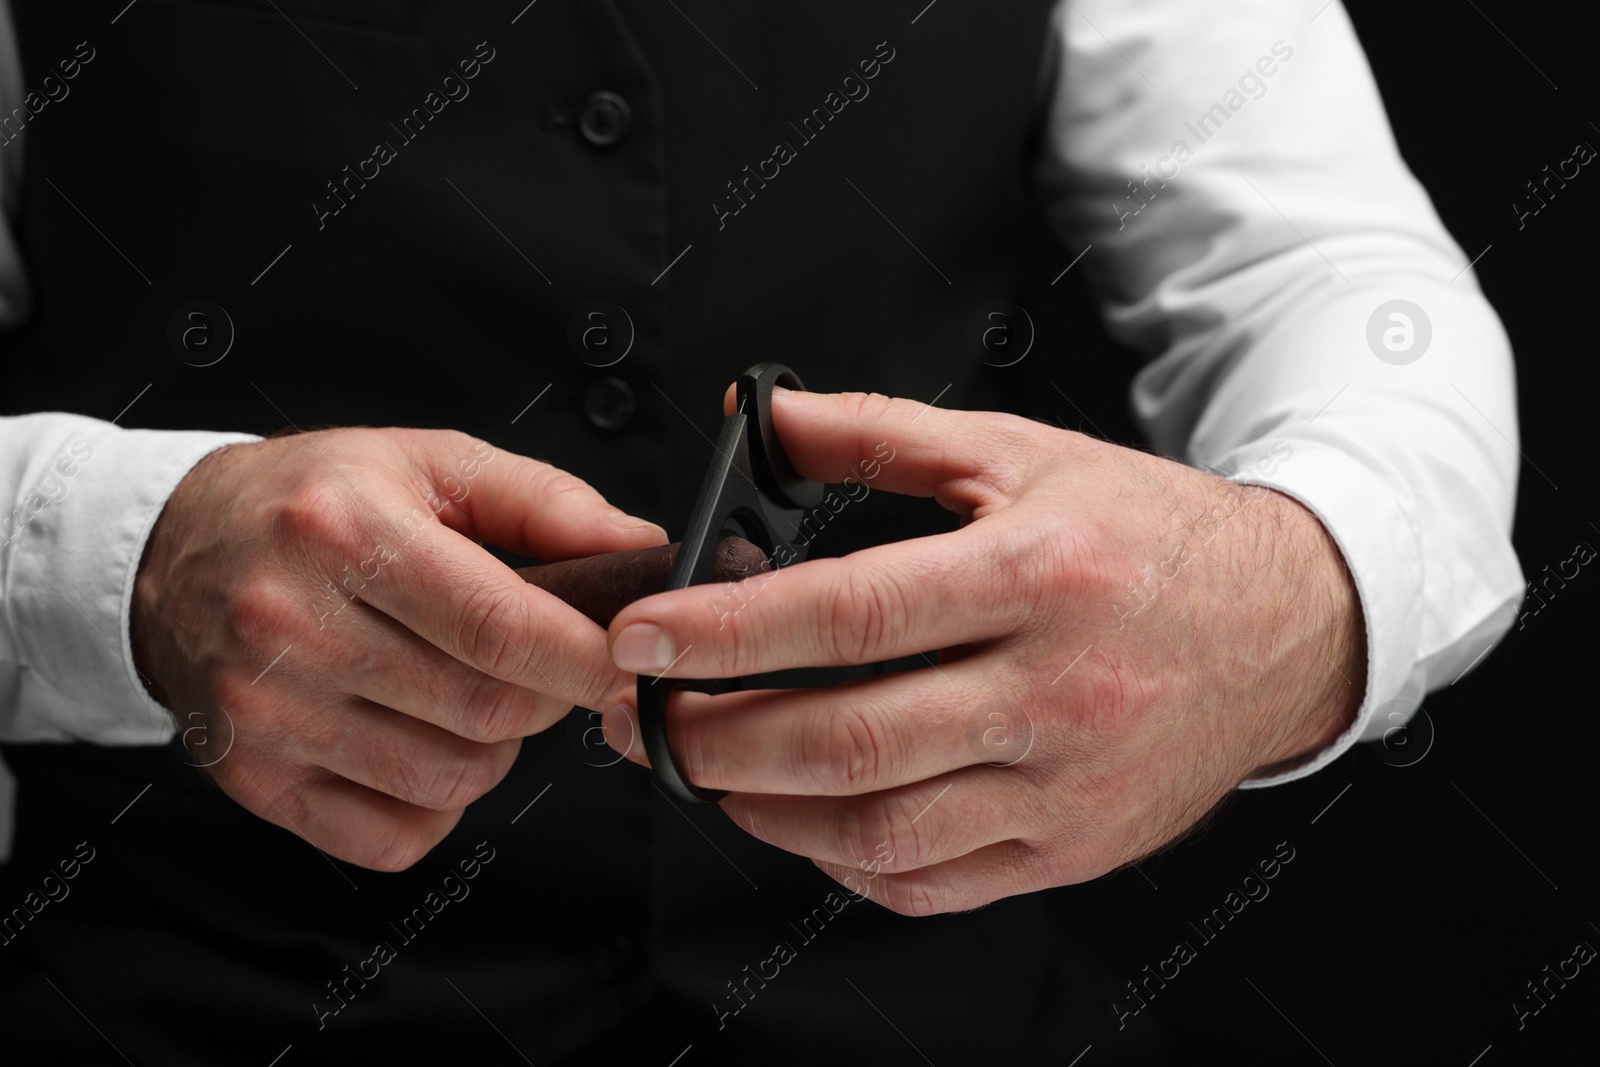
315, 610
1114, 641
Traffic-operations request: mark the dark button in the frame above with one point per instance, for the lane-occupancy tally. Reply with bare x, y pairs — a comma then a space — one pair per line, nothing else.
614, 957
609, 403
604, 119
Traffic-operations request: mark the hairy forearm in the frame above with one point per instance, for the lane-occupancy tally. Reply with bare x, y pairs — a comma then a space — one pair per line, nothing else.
1320, 686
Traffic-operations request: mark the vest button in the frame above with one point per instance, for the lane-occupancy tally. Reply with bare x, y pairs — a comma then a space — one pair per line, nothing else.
604, 119
609, 403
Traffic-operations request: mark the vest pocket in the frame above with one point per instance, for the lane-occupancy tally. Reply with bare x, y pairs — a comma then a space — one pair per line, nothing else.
399, 16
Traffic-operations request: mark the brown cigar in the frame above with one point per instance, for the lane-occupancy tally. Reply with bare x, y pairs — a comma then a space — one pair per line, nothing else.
601, 586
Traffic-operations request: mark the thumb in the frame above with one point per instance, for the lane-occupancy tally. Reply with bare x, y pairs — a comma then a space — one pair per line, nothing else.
521, 504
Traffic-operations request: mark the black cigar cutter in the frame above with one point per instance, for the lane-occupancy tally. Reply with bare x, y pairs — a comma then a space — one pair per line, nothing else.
750, 491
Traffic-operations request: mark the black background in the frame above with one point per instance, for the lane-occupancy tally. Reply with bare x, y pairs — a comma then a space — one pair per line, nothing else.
1422, 901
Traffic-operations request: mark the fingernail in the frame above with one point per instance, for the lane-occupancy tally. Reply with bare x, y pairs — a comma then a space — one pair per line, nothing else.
633, 522
643, 648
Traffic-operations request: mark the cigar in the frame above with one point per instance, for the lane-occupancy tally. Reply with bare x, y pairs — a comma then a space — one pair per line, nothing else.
601, 586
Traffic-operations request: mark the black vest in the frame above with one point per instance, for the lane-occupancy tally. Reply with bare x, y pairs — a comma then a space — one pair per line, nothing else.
406, 211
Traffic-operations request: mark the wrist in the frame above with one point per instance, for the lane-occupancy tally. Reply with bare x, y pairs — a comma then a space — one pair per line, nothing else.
154, 646
1320, 610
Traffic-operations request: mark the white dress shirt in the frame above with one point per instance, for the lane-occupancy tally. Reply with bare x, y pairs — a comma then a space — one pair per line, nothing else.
1246, 267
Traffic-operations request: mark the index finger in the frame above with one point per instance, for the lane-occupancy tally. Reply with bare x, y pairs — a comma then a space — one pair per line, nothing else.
456, 596
881, 603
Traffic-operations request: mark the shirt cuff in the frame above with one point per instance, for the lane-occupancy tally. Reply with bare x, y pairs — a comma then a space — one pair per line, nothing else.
1378, 541
71, 586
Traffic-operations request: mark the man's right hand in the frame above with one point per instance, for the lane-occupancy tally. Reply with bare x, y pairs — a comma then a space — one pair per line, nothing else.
377, 668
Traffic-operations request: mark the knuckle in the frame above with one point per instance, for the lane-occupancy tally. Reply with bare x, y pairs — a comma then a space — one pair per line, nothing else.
1016, 562
552, 484
1016, 436
853, 627
888, 833
1071, 567
490, 710
258, 608
867, 407
730, 638
230, 689
447, 689
854, 752
733, 650
312, 516
455, 441
402, 775
399, 848
457, 781
427, 448
585, 679
250, 782
1012, 445
486, 618
917, 896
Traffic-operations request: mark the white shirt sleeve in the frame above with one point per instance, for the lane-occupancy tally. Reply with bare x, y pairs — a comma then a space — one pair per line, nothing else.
1248, 221
81, 496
